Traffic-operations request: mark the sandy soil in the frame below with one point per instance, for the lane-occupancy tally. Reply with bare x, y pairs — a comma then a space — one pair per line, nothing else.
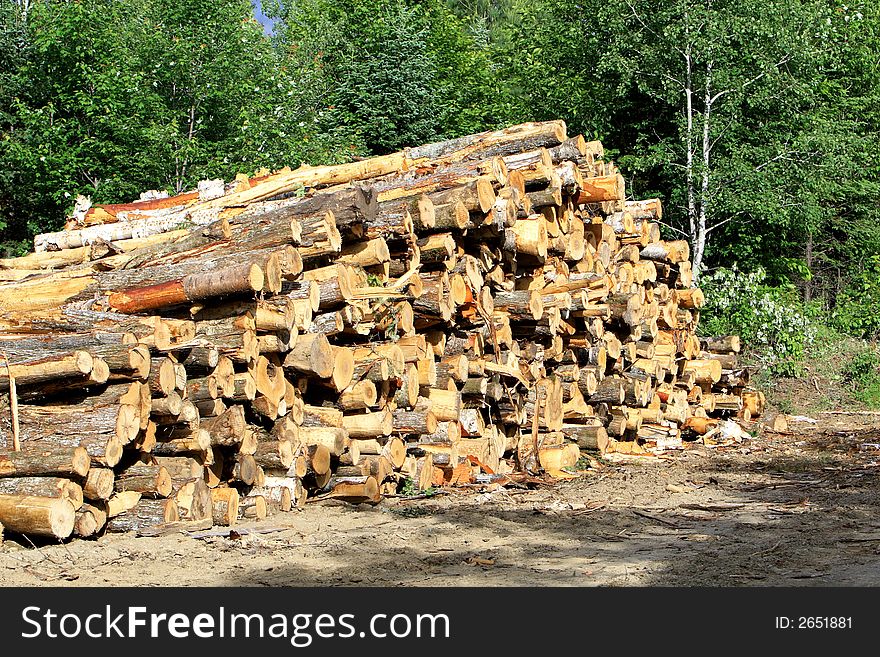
782, 509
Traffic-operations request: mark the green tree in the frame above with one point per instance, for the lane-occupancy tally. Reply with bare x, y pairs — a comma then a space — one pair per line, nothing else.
752, 120
108, 99
401, 73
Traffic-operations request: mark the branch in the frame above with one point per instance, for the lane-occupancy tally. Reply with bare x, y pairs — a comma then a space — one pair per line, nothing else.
649, 74
748, 83
677, 230
779, 156
722, 222
721, 134
645, 26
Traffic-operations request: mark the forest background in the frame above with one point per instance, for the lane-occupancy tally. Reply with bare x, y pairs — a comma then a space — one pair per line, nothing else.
755, 122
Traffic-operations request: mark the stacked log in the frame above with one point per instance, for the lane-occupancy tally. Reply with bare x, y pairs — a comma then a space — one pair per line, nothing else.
471, 308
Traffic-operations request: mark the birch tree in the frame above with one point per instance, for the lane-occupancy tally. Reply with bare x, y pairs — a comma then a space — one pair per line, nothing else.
717, 106
711, 61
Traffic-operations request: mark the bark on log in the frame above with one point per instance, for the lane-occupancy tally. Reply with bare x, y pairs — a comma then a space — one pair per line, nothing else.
224, 503
147, 479
45, 462
146, 513
102, 428
54, 487
37, 516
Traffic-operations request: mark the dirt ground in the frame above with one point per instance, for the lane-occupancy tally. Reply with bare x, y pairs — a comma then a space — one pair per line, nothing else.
782, 509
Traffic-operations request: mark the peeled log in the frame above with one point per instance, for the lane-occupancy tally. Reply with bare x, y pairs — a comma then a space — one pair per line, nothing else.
37, 516
527, 236
705, 371
369, 425
601, 189
554, 458
445, 404
366, 253
333, 438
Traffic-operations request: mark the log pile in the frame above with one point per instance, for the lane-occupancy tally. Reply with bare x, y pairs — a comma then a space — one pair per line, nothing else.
462, 311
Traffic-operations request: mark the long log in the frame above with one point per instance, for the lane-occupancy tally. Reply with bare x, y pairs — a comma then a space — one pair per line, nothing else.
55, 487
51, 462
102, 428
45, 369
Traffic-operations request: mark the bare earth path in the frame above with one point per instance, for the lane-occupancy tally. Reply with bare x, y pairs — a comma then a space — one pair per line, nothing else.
793, 509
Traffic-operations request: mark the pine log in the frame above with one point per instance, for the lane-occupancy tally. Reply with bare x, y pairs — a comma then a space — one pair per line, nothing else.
369, 425
355, 490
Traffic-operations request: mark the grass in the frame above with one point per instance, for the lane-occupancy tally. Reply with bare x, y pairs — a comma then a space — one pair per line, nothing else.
839, 372
862, 374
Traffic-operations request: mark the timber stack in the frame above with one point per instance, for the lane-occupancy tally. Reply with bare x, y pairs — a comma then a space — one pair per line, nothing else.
466, 311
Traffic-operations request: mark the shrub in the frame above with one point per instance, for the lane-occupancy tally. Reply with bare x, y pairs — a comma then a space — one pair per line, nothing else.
862, 373
770, 319
855, 311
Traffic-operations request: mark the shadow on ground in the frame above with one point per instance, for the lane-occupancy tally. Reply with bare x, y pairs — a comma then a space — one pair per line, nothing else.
807, 519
